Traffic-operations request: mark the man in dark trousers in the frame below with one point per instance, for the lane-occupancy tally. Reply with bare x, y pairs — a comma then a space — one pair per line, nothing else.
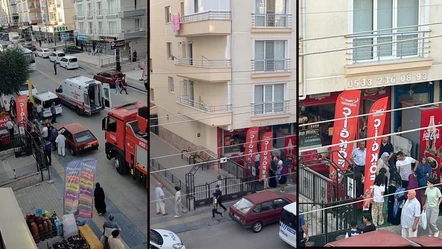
54, 113
55, 67
48, 152
219, 197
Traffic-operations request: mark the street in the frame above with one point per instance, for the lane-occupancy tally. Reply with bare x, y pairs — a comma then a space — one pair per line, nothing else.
127, 195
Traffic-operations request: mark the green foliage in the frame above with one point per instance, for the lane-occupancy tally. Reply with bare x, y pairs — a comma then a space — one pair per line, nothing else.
13, 70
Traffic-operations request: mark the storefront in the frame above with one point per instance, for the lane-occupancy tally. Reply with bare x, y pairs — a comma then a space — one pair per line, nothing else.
321, 107
85, 42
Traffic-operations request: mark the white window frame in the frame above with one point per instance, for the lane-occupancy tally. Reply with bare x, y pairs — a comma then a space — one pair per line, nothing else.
288, 11
99, 9
423, 17
80, 12
287, 51
169, 51
171, 84
284, 109
168, 14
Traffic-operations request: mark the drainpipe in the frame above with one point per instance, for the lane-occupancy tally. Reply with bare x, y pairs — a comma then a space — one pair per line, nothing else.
304, 60
229, 84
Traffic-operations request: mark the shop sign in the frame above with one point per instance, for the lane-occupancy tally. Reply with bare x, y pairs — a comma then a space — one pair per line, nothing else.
271, 122
266, 155
82, 37
108, 38
61, 29
389, 80
64, 36
251, 140
118, 44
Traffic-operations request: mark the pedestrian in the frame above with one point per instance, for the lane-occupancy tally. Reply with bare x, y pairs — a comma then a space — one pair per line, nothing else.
354, 230
282, 177
30, 108
39, 109
423, 172
215, 207
378, 200
10, 127
369, 226
160, 200
99, 199
358, 158
45, 133
178, 205
117, 86
302, 230
219, 197
403, 165
12, 104
434, 198
219, 181
55, 67
54, 113
134, 56
384, 164
48, 152
115, 240
123, 87
7, 107
54, 134
109, 226
411, 213
387, 147
61, 144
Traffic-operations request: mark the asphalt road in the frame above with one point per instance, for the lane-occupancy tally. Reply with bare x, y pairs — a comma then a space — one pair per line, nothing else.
128, 196
231, 235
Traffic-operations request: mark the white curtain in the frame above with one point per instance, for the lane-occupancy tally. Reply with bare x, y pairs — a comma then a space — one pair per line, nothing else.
280, 11
268, 98
407, 15
259, 56
260, 17
385, 21
362, 21
278, 98
280, 62
259, 100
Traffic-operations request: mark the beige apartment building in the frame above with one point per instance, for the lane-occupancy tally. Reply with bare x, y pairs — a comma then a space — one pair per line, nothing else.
220, 67
383, 47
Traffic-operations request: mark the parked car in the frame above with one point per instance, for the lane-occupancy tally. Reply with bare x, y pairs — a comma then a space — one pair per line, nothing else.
165, 239
30, 46
24, 90
72, 50
261, 209
69, 62
44, 52
110, 77
56, 56
79, 139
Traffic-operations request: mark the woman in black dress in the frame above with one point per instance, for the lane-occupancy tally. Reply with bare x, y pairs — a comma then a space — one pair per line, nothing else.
390, 190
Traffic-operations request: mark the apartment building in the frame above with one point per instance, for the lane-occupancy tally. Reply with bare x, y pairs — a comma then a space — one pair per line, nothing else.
29, 12
4, 12
99, 22
220, 67
381, 47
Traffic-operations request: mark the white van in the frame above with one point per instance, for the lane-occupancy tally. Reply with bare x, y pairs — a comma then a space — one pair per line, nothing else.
24, 90
85, 95
46, 99
56, 56
69, 62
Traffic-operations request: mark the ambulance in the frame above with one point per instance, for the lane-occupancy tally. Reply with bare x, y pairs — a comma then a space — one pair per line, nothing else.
85, 95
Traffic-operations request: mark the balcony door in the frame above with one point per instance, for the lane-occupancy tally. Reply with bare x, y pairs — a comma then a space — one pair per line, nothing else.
190, 53
188, 92
271, 13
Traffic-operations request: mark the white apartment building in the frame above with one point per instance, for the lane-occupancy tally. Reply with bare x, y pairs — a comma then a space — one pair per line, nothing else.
383, 47
5, 16
99, 22
230, 66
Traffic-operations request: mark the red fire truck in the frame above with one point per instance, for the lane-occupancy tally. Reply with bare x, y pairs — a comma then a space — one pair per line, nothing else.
126, 133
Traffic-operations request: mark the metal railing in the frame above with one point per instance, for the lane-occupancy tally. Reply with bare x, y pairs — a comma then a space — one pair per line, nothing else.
267, 108
111, 60
270, 65
167, 178
201, 106
207, 15
133, 30
204, 63
271, 20
388, 46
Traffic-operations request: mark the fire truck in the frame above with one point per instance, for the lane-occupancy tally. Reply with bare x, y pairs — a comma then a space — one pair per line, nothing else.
126, 133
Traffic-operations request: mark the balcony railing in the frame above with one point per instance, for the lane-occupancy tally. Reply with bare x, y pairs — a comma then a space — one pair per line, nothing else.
204, 63
268, 108
389, 46
208, 15
90, 13
271, 20
184, 100
271, 65
99, 12
111, 12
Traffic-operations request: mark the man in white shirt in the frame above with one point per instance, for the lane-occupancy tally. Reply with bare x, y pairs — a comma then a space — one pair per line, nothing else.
45, 133
7, 107
61, 144
39, 109
115, 240
160, 200
411, 213
10, 127
403, 165
358, 158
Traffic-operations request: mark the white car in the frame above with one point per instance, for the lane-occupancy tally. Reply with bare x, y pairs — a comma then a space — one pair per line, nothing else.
25, 91
164, 239
56, 56
44, 52
69, 62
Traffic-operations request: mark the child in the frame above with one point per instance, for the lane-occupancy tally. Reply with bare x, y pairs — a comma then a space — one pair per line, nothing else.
215, 207
354, 231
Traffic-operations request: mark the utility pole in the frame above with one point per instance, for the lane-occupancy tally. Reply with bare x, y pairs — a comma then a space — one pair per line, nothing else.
117, 59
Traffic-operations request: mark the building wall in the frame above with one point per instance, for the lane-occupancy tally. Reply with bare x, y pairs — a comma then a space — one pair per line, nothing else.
68, 13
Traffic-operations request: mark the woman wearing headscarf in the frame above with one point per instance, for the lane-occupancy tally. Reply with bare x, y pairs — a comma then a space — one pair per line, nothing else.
100, 203
423, 173
391, 192
384, 164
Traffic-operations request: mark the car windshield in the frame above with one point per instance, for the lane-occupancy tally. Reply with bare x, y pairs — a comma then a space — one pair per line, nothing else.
156, 237
84, 137
243, 205
25, 87
288, 219
48, 103
73, 60
61, 55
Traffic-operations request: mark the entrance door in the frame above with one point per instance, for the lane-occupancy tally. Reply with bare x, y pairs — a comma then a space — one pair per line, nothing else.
190, 53
191, 93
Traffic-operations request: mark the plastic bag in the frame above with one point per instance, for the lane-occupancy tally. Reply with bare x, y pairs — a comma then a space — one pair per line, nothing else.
102, 239
423, 220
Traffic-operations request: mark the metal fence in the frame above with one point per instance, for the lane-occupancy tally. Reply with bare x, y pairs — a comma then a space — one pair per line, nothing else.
233, 168
165, 177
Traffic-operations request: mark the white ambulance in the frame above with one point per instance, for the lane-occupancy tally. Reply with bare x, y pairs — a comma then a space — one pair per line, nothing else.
85, 95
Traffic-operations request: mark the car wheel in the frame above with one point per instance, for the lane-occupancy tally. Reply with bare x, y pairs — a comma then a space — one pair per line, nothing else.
257, 227
78, 111
72, 151
119, 161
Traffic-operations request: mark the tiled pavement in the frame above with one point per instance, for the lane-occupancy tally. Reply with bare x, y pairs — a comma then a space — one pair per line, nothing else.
10, 168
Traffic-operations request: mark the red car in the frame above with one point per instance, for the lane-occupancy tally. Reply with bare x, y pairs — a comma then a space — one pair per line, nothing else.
261, 209
110, 77
78, 138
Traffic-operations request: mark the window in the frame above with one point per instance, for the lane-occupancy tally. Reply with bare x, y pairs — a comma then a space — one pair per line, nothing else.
279, 203
269, 99
243, 205
270, 56
89, 10
81, 27
111, 7
196, 6
84, 137
99, 9
169, 50
168, 14
112, 27
171, 85
266, 206
80, 10
271, 13
388, 16
90, 28
137, 24
100, 27
111, 125
150, 65
152, 96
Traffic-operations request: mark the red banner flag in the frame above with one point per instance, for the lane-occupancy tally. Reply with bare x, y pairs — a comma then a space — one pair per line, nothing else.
375, 129
344, 130
21, 103
266, 155
290, 145
251, 145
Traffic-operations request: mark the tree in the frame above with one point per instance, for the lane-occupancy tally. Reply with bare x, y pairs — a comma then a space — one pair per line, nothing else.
13, 70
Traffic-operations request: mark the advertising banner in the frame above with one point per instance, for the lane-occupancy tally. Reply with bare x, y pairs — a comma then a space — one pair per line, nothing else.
290, 145
72, 187
252, 138
375, 129
266, 155
344, 131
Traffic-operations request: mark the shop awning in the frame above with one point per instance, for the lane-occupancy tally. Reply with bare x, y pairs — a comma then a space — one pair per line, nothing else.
24, 27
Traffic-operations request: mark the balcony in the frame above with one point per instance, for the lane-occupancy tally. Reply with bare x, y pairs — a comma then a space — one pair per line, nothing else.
388, 53
271, 23
270, 108
206, 23
220, 115
79, 16
90, 14
111, 13
34, 10
271, 68
204, 70
135, 33
131, 12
